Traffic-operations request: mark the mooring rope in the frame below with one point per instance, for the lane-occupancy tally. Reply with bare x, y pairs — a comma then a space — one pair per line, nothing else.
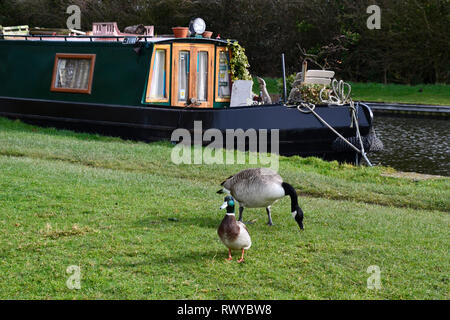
311, 107
358, 133
339, 96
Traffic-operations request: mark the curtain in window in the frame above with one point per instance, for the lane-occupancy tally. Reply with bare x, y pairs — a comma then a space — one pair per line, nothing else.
158, 86
224, 77
73, 73
202, 76
183, 76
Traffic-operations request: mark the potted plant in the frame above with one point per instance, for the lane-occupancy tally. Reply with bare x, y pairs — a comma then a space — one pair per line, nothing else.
180, 32
207, 34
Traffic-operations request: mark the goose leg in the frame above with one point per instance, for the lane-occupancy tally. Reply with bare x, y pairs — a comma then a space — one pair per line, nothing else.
229, 255
242, 257
270, 223
241, 209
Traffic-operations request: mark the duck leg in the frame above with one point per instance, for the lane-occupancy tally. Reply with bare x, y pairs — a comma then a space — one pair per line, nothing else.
241, 209
229, 255
242, 257
270, 223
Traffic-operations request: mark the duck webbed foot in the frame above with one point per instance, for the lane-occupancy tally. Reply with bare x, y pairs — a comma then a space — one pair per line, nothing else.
242, 257
229, 255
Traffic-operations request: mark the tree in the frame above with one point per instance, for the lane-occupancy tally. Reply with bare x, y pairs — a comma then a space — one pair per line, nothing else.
412, 46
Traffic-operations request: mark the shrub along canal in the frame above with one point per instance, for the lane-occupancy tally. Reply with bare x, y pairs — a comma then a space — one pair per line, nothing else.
414, 144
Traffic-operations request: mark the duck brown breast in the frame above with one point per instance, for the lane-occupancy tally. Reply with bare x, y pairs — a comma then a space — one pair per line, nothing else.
228, 229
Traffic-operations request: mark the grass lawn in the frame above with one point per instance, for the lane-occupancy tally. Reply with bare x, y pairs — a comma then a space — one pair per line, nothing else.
141, 227
433, 94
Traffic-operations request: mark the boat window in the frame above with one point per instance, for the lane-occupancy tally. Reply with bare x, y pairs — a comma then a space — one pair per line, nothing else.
73, 73
183, 76
202, 76
192, 88
158, 83
223, 76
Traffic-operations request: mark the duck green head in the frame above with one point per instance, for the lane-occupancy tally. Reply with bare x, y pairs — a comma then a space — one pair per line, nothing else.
229, 204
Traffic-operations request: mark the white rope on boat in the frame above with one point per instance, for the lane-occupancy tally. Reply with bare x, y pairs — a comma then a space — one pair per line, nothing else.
339, 96
358, 134
311, 107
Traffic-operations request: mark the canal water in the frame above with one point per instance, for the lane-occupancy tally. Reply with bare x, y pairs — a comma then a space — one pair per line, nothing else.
413, 144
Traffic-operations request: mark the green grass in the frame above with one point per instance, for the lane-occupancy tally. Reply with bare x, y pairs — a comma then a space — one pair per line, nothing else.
433, 94
141, 227
271, 85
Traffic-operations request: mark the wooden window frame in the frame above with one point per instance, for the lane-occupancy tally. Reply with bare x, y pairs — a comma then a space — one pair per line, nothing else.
165, 47
73, 56
193, 50
216, 89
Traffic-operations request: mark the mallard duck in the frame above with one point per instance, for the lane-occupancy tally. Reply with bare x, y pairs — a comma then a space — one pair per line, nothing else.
260, 188
232, 233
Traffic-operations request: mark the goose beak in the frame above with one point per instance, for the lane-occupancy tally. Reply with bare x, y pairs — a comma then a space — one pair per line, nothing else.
224, 205
298, 217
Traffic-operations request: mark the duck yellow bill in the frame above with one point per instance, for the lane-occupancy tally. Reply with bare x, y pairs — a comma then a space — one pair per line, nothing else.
224, 205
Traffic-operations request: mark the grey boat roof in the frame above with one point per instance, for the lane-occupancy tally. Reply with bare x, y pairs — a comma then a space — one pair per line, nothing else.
121, 38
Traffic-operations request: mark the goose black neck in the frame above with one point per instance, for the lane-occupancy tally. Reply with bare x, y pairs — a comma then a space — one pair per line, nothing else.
290, 191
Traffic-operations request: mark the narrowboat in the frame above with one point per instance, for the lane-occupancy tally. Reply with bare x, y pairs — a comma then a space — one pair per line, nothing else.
143, 87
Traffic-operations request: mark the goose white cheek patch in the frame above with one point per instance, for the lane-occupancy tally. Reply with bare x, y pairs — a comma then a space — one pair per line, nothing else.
226, 190
294, 213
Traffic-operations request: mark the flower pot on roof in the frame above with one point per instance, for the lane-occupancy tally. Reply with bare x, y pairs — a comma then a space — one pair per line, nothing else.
180, 32
207, 34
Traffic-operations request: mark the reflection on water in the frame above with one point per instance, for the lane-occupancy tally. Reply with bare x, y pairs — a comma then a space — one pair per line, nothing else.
413, 144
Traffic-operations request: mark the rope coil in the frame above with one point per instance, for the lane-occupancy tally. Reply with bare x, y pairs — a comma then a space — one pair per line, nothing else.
338, 95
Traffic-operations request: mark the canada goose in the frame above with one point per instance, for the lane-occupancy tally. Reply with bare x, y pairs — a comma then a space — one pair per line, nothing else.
232, 233
260, 188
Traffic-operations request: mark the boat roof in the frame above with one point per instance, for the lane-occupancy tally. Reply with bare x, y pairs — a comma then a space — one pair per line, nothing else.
126, 39
101, 32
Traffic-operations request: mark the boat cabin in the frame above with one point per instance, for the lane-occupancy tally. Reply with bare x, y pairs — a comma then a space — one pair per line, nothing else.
117, 68
189, 73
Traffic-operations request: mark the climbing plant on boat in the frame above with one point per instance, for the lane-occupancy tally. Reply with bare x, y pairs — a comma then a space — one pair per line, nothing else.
239, 62
307, 92
311, 92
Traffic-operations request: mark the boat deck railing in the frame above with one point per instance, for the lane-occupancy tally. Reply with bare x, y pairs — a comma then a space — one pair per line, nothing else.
89, 38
